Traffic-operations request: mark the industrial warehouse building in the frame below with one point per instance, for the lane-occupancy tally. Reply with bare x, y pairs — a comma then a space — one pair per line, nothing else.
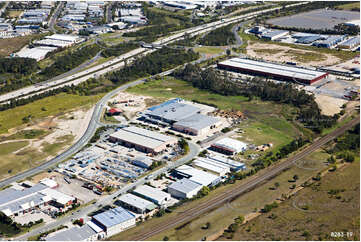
142, 161
181, 117
20, 200
170, 112
114, 221
274, 34
226, 161
229, 146
211, 166
197, 124
276, 71
88, 232
350, 43
136, 204
198, 176
184, 188
142, 139
152, 194
330, 41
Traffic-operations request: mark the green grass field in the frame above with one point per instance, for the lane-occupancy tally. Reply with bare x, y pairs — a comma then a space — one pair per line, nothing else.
208, 50
349, 6
27, 158
53, 106
7, 148
312, 214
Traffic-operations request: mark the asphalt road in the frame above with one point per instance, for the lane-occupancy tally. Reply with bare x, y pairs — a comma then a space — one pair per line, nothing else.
55, 16
242, 188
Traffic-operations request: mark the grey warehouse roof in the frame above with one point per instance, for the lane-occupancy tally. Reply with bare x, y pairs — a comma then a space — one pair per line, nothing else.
272, 68
151, 192
142, 137
73, 234
175, 111
113, 217
351, 42
274, 33
185, 185
137, 202
197, 121
11, 194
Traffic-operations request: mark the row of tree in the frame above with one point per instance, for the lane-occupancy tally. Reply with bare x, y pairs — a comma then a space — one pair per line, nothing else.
70, 60
18, 65
219, 37
119, 49
282, 92
152, 64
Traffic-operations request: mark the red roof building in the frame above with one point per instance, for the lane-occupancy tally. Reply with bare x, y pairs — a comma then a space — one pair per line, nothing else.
114, 111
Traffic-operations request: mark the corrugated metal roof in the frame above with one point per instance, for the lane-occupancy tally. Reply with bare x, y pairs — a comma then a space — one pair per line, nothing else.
185, 185
174, 111
272, 68
73, 234
209, 166
197, 121
198, 176
351, 42
9, 195
231, 144
142, 137
151, 193
137, 202
113, 217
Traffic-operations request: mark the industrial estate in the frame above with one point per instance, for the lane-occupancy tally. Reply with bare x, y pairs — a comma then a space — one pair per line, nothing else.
179, 120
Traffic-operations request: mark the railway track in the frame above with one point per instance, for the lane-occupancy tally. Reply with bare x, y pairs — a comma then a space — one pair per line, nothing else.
242, 188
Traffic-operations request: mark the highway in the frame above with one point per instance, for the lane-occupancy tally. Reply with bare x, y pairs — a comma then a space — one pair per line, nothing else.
252, 183
118, 61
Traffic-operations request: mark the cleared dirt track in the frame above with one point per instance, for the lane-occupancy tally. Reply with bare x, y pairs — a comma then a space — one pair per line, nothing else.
238, 190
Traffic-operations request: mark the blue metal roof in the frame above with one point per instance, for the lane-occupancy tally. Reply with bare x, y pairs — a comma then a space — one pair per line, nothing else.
113, 217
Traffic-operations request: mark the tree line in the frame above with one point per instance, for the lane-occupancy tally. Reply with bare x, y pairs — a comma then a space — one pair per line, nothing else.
70, 60
119, 49
18, 65
152, 64
282, 92
219, 37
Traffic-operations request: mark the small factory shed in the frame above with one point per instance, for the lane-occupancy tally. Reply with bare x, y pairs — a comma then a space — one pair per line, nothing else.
114, 221
184, 188
142, 139
211, 166
152, 194
229, 146
198, 176
142, 161
135, 203
197, 124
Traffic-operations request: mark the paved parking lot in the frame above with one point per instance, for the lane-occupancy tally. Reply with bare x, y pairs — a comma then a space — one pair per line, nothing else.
32, 217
